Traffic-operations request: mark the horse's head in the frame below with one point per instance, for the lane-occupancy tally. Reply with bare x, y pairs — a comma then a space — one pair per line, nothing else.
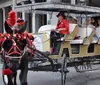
9, 30
14, 46
12, 41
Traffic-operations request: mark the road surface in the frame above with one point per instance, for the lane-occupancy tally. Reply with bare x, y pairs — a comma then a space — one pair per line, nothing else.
50, 78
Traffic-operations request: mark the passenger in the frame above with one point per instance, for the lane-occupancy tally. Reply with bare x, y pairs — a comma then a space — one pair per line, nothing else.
62, 28
98, 26
92, 21
20, 22
98, 23
89, 23
72, 20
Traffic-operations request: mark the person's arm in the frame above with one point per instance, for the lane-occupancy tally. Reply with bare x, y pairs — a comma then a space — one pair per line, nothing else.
57, 26
61, 29
66, 26
23, 28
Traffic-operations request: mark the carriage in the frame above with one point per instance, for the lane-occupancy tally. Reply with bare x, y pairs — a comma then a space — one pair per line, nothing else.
80, 53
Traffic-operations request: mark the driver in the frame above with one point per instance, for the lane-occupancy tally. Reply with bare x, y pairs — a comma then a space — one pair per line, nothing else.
62, 28
20, 26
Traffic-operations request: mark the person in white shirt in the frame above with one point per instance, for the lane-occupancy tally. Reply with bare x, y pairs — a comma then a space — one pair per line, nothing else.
98, 23
89, 22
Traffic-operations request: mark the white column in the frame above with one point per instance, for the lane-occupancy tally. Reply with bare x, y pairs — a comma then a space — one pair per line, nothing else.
3, 9
23, 16
49, 17
13, 4
33, 23
33, 19
33, 1
73, 1
23, 13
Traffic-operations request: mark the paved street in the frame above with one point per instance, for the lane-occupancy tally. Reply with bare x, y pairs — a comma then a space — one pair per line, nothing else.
49, 78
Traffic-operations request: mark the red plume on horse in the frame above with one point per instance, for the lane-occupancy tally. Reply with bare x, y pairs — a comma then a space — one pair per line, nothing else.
11, 18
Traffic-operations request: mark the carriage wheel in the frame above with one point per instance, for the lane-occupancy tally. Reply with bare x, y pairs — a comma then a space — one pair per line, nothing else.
64, 70
7, 79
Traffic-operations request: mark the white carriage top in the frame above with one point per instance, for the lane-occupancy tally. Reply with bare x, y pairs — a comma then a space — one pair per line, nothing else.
82, 31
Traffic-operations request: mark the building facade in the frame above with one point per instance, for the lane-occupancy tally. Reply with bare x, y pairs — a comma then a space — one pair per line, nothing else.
5, 7
35, 20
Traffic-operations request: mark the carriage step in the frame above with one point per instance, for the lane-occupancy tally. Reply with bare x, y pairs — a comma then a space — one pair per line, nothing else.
46, 68
88, 70
37, 59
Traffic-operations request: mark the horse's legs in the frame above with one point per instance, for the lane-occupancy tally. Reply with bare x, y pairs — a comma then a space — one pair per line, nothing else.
24, 70
15, 76
10, 80
14, 72
23, 77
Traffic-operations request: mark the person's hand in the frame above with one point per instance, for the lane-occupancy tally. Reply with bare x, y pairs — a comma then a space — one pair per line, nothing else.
57, 30
53, 29
60, 29
94, 32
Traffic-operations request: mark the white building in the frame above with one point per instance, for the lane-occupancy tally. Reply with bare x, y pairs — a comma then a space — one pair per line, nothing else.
35, 20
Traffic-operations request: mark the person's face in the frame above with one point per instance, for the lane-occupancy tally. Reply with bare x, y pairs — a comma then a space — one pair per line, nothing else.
60, 17
88, 21
99, 21
92, 20
20, 23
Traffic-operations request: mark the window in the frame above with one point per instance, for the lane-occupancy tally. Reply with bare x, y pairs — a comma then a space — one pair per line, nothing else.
37, 1
66, 1
41, 19
81, 2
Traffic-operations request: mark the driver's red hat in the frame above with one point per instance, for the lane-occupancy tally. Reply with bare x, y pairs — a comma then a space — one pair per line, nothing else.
20, 20
61, 14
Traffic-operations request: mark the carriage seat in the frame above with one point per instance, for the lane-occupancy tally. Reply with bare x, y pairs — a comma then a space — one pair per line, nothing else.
85, 36
73, 30
98, 34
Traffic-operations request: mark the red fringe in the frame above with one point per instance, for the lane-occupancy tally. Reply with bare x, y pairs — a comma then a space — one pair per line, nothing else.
7, 71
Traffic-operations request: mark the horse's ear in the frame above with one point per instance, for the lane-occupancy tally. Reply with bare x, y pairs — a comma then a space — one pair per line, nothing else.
23, 28
7, 28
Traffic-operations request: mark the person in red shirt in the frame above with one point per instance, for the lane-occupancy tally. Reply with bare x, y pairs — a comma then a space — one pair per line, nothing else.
62, 28
62, 25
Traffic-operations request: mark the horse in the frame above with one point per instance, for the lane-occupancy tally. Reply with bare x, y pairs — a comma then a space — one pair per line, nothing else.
15, 55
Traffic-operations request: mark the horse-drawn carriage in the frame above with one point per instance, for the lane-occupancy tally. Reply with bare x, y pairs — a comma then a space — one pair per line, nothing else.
78, 52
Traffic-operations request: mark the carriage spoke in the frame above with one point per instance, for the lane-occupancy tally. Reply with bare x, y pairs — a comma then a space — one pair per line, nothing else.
64, 70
